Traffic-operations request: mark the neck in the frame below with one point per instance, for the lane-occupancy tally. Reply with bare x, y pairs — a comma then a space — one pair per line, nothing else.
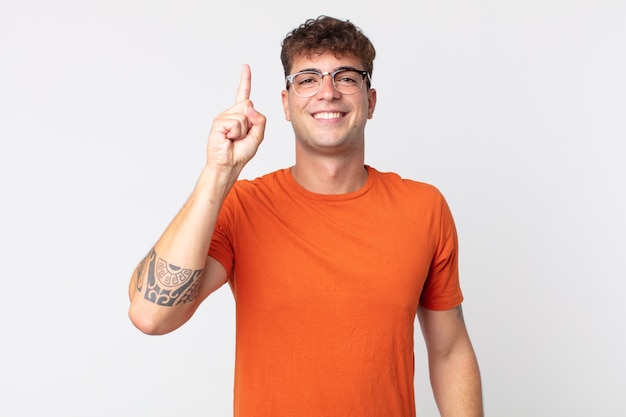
324, 176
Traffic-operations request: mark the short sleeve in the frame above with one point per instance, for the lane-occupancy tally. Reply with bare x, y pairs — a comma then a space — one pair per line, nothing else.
221, 243
442, 290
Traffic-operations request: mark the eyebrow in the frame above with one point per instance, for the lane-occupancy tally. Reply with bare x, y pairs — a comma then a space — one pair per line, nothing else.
344, 68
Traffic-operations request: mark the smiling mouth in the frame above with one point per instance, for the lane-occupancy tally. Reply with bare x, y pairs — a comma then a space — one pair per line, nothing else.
328, 115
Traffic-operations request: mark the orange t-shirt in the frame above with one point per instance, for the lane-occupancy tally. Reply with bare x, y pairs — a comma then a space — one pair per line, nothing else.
326, 291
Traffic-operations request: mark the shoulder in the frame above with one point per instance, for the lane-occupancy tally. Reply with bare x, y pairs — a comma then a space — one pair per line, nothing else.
255, 193
408, 187
262, 184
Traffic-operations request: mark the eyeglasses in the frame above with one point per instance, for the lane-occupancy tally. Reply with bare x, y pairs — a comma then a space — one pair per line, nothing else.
346, 80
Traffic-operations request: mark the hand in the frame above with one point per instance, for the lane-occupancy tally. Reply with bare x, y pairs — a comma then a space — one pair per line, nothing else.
237, 132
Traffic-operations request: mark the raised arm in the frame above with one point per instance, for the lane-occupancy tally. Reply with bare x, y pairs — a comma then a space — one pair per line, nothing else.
169, 284
454, 373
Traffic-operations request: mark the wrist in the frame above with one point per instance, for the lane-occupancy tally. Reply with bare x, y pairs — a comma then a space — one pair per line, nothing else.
215, 182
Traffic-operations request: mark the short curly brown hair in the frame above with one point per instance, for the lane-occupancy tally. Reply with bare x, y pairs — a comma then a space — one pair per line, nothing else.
316, 36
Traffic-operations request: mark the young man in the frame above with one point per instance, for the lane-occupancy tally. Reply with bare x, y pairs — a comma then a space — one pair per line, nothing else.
329, 261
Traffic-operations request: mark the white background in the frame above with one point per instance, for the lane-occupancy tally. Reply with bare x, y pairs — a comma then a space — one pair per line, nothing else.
516, 110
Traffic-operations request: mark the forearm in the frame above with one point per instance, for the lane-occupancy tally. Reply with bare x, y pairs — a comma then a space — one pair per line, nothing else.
164, 287
456, 383
185, 242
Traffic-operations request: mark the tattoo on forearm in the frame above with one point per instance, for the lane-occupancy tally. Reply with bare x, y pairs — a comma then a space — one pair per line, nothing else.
167, 284
459, 313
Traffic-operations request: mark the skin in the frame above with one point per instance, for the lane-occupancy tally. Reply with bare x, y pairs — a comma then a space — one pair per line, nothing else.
233, 140
175, 277
330, 152
454, 373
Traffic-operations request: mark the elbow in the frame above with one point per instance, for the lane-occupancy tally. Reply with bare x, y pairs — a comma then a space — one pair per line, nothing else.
148, 324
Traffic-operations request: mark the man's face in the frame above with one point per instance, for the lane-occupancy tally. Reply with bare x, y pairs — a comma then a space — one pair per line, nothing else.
329, 121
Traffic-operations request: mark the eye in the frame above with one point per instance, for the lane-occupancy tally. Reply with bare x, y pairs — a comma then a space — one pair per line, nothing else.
347, 77
307, 79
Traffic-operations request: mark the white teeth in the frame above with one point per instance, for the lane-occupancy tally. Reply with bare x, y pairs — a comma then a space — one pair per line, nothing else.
327, 115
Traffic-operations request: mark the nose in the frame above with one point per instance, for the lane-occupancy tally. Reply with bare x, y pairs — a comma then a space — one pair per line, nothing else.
327, 87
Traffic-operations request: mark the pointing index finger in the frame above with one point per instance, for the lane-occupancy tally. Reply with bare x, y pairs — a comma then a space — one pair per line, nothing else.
245, 84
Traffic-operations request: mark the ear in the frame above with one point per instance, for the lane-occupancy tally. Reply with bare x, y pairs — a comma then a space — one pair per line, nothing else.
285, 99
371, 102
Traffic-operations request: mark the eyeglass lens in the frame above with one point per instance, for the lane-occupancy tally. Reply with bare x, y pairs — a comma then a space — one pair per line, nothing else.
308, 84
